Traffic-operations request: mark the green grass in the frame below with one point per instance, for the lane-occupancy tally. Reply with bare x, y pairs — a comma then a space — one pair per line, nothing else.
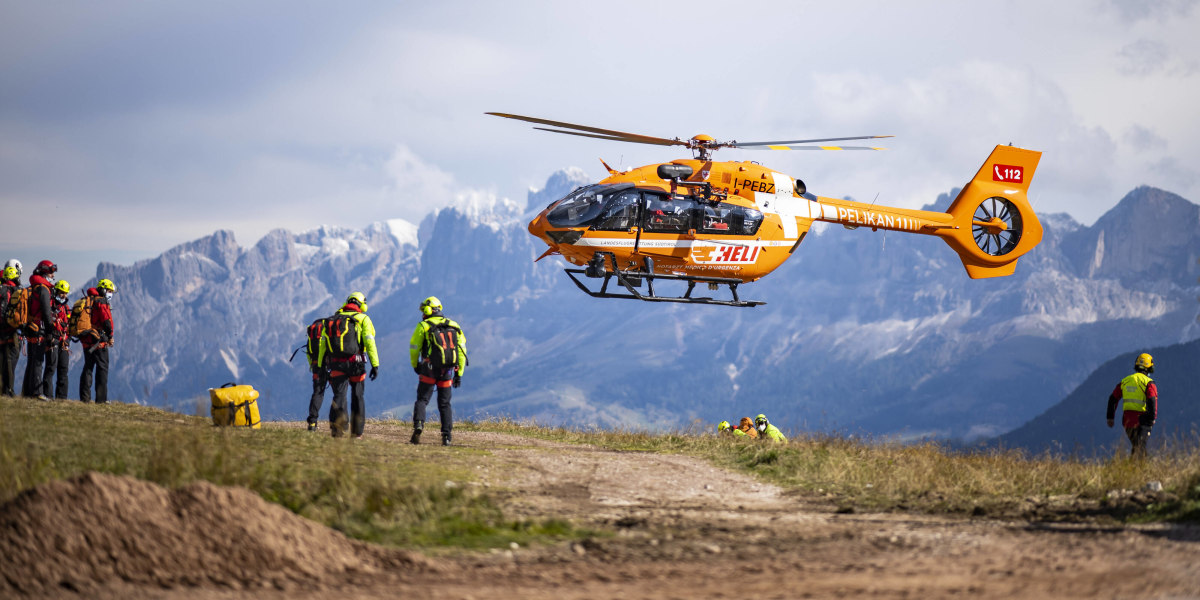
389, 492
374, 490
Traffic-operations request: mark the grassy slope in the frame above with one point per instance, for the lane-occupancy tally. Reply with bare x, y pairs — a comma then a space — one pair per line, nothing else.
397, 494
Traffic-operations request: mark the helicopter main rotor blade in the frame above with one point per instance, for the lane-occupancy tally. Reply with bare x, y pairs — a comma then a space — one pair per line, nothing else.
610, 137
616, 135
785, 147
812, 141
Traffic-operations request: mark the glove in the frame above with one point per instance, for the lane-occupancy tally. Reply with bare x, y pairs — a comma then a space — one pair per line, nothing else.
457, 381
374, 373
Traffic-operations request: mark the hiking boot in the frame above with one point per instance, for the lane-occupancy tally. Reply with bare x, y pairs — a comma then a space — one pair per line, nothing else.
446, 440
43, 398
418, 427
312, 426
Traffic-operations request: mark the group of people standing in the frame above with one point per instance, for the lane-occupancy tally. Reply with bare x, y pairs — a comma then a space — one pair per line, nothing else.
340, 347
40, 318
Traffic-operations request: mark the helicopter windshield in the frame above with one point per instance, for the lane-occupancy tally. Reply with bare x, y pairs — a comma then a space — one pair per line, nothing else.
584, 205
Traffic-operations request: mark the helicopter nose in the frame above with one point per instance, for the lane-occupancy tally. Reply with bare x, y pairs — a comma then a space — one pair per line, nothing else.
537, 227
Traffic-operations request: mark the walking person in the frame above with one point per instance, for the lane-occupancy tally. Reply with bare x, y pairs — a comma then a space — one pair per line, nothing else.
37, 328
1139, 397
347, 344
320, 374
438, 353
10, 337
96, 343
58, 346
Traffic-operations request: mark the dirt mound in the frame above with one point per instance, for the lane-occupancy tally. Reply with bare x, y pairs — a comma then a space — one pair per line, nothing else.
98, 530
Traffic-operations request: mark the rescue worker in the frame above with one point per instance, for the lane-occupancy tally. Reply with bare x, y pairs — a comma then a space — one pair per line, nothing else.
10, 337
58, 346
1140, 404
97, 342
725, 429
346, 345
41, 320
746, 426
320, 374
767, 431
438, 353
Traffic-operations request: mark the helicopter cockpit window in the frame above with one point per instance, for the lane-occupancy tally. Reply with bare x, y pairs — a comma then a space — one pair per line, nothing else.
619, 213
581, 207
668, 216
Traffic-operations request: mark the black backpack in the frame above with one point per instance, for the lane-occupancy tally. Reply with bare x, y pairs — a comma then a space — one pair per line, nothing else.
342, 332
441, 340
313, 343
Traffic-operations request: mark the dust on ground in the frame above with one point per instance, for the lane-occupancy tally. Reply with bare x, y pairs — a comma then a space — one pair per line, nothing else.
684, 529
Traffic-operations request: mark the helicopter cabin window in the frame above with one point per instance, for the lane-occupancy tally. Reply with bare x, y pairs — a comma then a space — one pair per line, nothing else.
620, 212
730, 219
668, 216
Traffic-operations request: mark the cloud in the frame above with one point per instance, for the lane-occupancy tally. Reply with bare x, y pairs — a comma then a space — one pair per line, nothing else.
1157, 10
1144, 58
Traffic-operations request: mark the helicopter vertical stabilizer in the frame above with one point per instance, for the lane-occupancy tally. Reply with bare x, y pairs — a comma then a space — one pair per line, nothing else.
993, 222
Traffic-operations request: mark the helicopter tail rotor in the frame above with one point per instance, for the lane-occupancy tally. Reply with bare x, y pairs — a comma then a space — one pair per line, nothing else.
993, 222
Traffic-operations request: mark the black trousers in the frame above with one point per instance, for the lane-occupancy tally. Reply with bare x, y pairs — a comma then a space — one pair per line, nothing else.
31, 386
320, 382
1138, 436
96, 359
445, 413
337, 406
10, 352
58, 361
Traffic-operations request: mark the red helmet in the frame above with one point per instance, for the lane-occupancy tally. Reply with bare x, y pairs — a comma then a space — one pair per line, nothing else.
45, 267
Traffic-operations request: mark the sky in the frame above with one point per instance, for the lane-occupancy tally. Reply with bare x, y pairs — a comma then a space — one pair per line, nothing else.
128, 127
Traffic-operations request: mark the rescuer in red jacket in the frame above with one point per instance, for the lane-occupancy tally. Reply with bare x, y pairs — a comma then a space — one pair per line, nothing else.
96, 345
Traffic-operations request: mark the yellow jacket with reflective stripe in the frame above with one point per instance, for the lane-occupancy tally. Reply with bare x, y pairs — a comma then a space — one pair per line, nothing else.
1133, 392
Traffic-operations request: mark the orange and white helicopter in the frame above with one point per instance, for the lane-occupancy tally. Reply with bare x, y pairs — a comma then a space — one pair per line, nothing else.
726, 223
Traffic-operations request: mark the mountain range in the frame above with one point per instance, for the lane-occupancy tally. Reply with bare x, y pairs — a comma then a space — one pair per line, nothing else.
863, 332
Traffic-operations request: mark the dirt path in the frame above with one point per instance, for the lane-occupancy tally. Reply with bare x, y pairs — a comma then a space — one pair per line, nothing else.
689, 530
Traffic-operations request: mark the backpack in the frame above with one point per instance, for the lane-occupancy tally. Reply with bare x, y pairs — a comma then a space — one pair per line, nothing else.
342, 332
315, 329
16, 310
80, 321
442, 341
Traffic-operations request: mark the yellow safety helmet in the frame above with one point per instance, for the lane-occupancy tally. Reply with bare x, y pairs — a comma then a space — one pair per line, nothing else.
105, 284
722, 426
431, 305
11, 273
359, 299
63, 286
1144, 362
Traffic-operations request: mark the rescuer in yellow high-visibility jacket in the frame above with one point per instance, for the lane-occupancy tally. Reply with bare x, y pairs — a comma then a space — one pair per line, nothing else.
438, 353
1139, 397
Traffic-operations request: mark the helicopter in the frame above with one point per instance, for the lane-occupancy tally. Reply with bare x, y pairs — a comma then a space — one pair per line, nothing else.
726, 223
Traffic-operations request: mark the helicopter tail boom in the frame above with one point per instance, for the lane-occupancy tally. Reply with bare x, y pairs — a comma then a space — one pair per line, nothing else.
993, 222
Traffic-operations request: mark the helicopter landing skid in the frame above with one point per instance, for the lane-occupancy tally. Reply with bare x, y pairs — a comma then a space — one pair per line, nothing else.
630, 280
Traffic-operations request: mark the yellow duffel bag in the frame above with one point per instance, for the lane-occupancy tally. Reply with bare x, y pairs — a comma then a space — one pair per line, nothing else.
235, 406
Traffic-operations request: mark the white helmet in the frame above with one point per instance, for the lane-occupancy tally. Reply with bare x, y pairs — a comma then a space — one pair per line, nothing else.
16, 264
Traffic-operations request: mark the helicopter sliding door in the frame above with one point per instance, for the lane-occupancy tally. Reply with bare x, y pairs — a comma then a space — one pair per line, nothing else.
668, 226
